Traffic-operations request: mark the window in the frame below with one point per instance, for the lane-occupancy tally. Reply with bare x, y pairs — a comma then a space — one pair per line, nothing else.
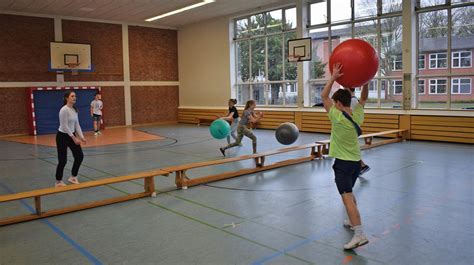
319, 14
397, 87
438, 86
461, 86
397, 63
461, 59
421, 87
262, 72
438, 61
421, 61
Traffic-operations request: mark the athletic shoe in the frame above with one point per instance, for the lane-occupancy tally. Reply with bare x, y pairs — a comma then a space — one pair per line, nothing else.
364, 170
96, 133
73, 180
356, 241
347, 224
222, 151
59, 184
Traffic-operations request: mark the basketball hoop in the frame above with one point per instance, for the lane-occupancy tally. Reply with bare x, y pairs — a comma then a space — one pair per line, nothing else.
72, 67
294, 58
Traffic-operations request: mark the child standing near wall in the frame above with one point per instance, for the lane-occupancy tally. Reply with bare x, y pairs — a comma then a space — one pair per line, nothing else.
96, 112
247, 116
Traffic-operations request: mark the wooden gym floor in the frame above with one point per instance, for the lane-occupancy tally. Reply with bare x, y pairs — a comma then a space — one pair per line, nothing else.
416, 203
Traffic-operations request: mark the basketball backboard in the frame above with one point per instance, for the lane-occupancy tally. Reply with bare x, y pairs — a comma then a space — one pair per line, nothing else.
70, 56
299, 50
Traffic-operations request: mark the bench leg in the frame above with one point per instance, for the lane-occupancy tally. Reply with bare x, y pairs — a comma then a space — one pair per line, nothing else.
260, 161
38, 205
368, 140
180, 180
149, 185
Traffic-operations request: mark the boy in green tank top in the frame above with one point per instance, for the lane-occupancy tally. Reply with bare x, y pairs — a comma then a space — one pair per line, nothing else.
344, 147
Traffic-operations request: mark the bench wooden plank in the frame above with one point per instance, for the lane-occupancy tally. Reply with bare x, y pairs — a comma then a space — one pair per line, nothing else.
238, 158
84, 185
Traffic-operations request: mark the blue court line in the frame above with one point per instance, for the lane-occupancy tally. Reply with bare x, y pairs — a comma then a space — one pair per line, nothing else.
312, 238
58, 231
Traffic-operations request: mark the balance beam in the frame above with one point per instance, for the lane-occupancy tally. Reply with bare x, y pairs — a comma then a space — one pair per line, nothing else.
149, 186
183, 181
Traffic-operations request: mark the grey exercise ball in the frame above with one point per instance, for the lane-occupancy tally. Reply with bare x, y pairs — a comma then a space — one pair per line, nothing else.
287, 133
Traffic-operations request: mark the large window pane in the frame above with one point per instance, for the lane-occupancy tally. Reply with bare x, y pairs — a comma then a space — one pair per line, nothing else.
340, 33
391, 93
290, 67
290, 16
462, 39
340, 10
436, 96
276, 94
315, 90
243, 71
241, 28
425, 3
462, 96
257, 24
433, 43
365, 8
318, 13
274, 21
291, 93
319, 53
367, 31
390, 6
258, 59
243, 94
275, 57
391, 46
258, 93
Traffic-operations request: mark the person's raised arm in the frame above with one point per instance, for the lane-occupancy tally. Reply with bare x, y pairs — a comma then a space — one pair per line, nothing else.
336, 73
364, 94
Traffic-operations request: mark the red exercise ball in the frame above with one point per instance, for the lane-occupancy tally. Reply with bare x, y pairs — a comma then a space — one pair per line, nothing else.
359, 62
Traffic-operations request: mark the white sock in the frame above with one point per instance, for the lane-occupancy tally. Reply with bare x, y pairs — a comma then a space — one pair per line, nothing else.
358, 230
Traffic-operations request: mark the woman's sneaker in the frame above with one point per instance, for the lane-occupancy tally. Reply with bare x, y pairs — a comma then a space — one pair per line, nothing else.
73, 180
356, 241
59, 184
222, 151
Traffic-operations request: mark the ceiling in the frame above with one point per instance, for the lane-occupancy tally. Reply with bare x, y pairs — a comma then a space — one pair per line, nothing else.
136, 11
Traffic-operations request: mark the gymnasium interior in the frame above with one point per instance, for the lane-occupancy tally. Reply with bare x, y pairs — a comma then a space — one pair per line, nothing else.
155, 188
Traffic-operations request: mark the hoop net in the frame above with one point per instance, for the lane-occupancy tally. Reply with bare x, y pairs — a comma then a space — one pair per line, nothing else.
72, 67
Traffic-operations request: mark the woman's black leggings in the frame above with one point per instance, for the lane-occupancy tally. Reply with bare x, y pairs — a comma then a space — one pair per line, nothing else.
63, 141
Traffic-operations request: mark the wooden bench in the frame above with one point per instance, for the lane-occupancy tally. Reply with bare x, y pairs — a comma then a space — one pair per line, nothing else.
401, 135
149, 187
182, 180
206, 119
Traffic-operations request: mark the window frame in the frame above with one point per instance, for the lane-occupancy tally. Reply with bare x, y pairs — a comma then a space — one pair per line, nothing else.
460, 58
394, 86
437, 60
424, 61
395, 61
437, 79
418, 87
459, 86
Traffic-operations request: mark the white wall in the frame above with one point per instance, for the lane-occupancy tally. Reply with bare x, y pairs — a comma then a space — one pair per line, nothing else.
204, 63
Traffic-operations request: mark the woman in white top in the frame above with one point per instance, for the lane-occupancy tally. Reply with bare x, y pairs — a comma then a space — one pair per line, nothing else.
69, 135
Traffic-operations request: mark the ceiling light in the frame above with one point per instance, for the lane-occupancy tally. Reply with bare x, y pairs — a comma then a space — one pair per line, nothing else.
205, 2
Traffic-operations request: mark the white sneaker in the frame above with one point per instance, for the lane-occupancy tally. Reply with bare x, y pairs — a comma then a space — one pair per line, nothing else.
96, 133
73, 180
59, 184
356, 241
347, 224
99, 133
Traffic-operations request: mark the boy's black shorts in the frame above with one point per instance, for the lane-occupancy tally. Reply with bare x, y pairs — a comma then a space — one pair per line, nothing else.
346, 173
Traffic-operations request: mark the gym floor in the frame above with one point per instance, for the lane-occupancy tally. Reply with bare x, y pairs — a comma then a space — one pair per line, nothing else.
416, 203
